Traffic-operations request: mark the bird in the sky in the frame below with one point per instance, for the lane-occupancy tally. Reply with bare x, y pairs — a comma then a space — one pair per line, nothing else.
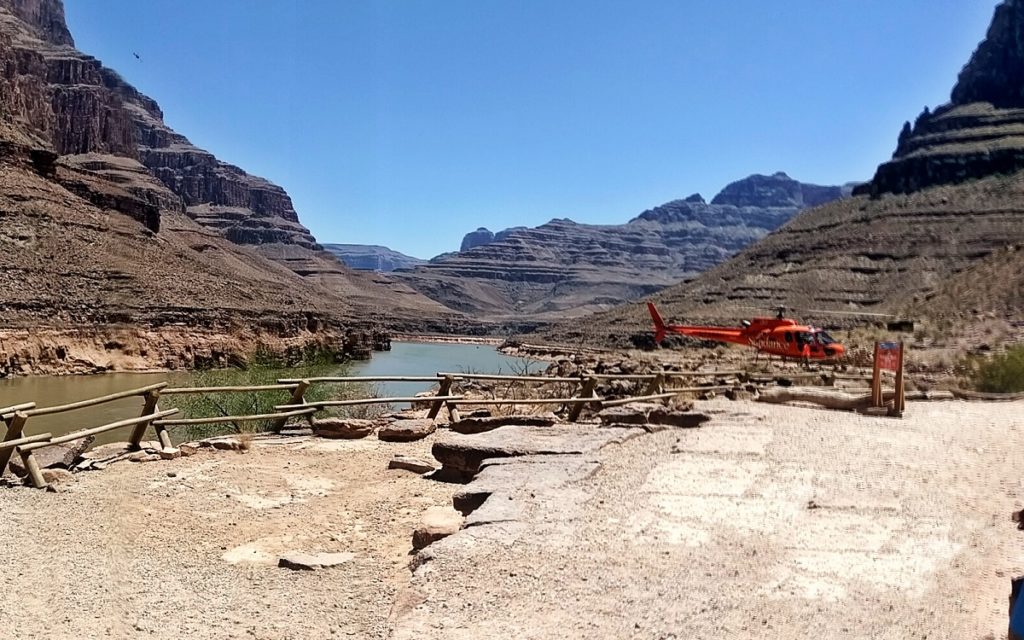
137, 56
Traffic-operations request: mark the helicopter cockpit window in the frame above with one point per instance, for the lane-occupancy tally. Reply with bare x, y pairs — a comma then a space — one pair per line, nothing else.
824, 338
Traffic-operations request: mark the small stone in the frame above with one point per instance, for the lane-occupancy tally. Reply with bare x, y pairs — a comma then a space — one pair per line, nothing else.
189, 449
170, 454
406, 430
297, 561
343, 428
437, 523
171, 474
416, 465
142, 456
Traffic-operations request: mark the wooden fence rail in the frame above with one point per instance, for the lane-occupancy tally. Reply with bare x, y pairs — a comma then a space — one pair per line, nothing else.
445, 396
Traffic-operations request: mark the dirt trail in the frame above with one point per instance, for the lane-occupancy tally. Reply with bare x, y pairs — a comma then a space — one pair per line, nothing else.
133, 552
769, 522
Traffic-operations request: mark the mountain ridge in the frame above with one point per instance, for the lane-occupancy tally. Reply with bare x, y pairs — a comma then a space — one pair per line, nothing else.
567, 268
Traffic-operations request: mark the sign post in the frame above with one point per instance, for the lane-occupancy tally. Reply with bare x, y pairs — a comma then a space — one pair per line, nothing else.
889, 356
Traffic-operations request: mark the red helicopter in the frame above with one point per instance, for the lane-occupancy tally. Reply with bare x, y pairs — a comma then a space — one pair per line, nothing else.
778, 336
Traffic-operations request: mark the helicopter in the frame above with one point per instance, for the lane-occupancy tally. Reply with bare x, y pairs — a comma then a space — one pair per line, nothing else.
778, 336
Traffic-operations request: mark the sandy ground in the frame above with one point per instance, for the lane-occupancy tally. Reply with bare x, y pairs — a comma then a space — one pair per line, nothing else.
769, 522
131, 552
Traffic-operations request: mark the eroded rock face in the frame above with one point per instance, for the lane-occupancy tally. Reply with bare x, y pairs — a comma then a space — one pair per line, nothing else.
977, 133
565, 268
112, 218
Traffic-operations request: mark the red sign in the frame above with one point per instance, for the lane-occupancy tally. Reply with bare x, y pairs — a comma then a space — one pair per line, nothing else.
889, 356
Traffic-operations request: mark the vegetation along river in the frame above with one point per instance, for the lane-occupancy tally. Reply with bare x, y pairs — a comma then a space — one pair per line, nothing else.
405, 359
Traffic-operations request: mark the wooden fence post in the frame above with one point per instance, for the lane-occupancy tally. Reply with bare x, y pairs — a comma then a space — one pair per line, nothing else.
443, 390
876, 379
298, 397
589, 386
900, 402
32, 467
15, 427
149, 408
656, 386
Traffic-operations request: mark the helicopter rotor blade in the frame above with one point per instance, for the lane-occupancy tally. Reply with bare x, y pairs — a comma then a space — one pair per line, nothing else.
869, 314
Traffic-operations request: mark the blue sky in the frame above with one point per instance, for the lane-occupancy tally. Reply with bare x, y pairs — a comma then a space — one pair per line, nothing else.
408, 123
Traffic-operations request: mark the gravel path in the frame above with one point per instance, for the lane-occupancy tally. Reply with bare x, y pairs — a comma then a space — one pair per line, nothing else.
769, 522
132, 552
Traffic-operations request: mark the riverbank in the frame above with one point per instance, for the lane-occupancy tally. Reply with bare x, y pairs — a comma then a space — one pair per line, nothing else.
447, 339
101, 349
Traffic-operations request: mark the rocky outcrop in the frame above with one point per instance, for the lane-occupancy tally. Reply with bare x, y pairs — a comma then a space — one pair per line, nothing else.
110, 217
980, 132
484, 236
565, 268
477, 238
371, 257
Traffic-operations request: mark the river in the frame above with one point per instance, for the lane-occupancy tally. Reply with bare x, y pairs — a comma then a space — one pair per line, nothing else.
404, 359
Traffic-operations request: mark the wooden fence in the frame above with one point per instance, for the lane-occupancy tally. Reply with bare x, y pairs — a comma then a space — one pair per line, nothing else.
583, 393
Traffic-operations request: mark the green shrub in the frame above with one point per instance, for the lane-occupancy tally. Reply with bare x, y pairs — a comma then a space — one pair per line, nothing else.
258, 402
1003, 373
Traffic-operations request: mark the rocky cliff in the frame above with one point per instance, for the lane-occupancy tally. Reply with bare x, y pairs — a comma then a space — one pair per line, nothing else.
483, 236
372, 257
110, 217
566, 268
980, 132
935, 234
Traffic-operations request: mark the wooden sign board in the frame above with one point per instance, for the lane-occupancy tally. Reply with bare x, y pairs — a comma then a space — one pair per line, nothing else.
889, 356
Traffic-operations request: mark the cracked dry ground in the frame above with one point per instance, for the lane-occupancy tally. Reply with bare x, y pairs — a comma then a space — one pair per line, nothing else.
768, 522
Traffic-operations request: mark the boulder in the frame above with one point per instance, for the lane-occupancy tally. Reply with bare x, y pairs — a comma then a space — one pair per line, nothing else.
343, 428
225, 444
406, 430
416, 465
479, 424
437, 523
57, 476
57, 455
298, 561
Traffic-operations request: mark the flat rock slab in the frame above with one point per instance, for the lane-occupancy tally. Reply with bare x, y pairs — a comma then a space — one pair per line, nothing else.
464, 454
343, 428
509, 477
407, 430
480, 424
648, 414
298, 561
416, 465
437, 523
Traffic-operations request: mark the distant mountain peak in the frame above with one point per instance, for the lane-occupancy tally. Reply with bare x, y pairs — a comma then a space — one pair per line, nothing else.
776, 190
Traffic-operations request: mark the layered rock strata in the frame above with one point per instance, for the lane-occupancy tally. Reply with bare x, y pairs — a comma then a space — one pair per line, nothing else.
565, 268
